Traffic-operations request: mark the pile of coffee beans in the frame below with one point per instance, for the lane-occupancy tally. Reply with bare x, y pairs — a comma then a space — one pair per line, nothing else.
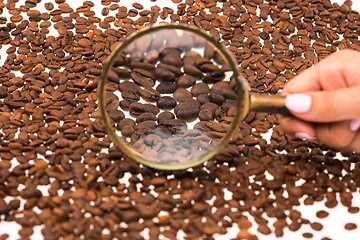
51, 134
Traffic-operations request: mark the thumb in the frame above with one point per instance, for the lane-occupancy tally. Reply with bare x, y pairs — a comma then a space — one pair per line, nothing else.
325, 106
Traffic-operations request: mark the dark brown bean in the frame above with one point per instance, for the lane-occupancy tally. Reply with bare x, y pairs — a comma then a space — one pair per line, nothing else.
350, 226
182, 94
185, 81
138, 108
200, 88
166, 103
166, 87
187, 110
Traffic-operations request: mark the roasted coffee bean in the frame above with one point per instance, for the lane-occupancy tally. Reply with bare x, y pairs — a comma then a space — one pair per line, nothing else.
307, 235
209, 106
164, 116
142, 80
166, 87
127, 131
130, 96
187, 110
182, 94
169, 51
166, 103
185, 81
125, 122
145, 117
206, 115
213, 77
172, 59
192, 70
200, 88
138, 108
350, 226
111, 101
216, 98
142, 65
163, 74
149, 94
122, 73
203, 98
205, 65
322, 214
127, 86
116, 115
175, 70
125, 105
224, 89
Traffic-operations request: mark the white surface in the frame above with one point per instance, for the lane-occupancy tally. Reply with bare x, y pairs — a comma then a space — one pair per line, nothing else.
333, 224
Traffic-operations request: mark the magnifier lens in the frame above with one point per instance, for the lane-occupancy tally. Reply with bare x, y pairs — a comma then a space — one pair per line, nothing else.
168, 93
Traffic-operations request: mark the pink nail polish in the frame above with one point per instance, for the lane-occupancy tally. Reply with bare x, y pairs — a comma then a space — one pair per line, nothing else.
298, 103
355, 124
301, 135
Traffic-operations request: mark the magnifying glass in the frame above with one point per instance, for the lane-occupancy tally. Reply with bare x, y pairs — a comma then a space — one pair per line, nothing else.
167, 92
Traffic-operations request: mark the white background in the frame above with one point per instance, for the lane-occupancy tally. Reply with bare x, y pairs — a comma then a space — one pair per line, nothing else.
333, 225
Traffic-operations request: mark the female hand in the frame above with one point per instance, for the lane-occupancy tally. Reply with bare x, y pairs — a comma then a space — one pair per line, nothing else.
325, 100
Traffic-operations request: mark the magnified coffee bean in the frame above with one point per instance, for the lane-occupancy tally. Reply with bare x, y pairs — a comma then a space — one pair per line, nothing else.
187, 110
166, 103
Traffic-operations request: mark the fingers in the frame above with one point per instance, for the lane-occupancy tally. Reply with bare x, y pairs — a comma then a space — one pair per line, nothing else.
328, 96
298, 128
337, 135
326, 106
339, 70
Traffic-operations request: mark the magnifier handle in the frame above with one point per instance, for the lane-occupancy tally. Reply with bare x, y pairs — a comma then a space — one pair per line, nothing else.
268, 103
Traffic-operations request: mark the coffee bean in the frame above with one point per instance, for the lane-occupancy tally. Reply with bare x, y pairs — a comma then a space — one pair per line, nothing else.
307, 235
138, 108
116, 115
187, 110
127, 86
84, 43
163, 74
165, 116
206, 115
172, 59
149, 94
316, 226
200, 88
216, 98
185, 81
142, 80
145, 117
127, 131
350, 226
175, 70
182, 94
166, 87
203, 98
125, 122
166, 103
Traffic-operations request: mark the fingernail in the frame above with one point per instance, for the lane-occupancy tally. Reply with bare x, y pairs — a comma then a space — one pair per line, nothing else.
301, 135
355, 124
298, 103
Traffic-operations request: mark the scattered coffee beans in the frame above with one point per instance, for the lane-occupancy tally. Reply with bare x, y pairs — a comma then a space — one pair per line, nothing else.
51, 136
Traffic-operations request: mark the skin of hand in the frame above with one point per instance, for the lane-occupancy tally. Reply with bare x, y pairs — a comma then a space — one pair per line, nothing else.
325, 102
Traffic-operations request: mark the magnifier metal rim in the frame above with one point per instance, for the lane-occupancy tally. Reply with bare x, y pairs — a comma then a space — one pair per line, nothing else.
242, 100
